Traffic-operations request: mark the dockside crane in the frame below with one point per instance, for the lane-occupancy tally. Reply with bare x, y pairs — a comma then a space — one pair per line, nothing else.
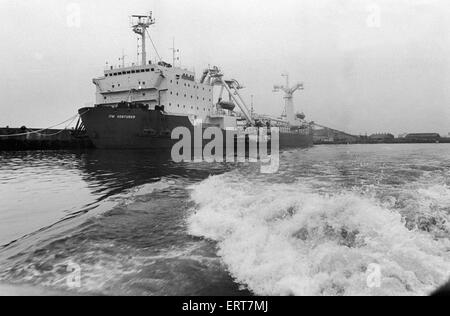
289, 97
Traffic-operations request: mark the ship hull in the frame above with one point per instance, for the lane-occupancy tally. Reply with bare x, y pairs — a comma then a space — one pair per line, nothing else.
116, 128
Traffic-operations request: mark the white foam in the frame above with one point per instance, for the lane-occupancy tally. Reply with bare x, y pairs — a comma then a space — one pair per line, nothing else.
285, 239
129, 196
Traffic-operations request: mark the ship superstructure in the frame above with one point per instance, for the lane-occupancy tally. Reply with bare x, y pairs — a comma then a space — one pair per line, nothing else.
152, 85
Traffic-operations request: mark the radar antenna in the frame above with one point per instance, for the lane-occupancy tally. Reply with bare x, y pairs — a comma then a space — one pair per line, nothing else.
140, 24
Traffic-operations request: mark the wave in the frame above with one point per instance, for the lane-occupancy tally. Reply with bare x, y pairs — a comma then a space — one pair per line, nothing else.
287, 239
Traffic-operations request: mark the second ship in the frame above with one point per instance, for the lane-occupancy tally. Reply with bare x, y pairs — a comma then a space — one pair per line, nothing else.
138, 107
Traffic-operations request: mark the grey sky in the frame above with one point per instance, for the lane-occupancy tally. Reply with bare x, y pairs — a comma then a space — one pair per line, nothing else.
358, 77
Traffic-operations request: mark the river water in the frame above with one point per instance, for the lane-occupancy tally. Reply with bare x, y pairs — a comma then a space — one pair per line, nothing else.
135, 223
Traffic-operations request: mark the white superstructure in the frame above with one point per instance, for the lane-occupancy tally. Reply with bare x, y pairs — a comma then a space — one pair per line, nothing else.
156, 85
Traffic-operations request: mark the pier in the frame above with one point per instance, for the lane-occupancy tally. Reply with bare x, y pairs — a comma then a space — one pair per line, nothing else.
12, 139
327, 136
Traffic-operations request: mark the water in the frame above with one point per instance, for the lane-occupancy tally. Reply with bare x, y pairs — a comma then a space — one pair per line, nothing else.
137, 224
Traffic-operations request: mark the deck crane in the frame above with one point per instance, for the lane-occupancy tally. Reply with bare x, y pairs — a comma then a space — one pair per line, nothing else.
214, 76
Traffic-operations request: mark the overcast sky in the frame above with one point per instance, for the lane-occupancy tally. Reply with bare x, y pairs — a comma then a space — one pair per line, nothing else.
368, 66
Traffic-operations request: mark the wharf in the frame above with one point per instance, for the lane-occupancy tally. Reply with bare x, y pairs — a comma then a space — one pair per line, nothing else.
12, 139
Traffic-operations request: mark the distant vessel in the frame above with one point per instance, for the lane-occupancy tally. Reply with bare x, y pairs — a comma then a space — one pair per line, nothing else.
138, 107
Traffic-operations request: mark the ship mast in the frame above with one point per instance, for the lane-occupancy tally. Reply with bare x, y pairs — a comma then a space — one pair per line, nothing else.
175, 51
140, 24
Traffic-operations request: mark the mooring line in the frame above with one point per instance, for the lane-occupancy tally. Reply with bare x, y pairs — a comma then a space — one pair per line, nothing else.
71, 120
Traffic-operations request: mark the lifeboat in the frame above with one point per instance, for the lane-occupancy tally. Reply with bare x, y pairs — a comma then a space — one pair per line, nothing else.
227, 105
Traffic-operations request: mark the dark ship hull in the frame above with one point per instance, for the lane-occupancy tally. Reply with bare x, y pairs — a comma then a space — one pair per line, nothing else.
140, 128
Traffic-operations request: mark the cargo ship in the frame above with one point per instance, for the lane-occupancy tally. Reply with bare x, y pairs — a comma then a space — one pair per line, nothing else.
139, 106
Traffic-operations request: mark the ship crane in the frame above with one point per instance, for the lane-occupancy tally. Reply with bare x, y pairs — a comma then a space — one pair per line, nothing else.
215, 77
289, 98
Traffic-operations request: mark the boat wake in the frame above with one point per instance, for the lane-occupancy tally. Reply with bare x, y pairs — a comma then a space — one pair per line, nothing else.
287, 239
